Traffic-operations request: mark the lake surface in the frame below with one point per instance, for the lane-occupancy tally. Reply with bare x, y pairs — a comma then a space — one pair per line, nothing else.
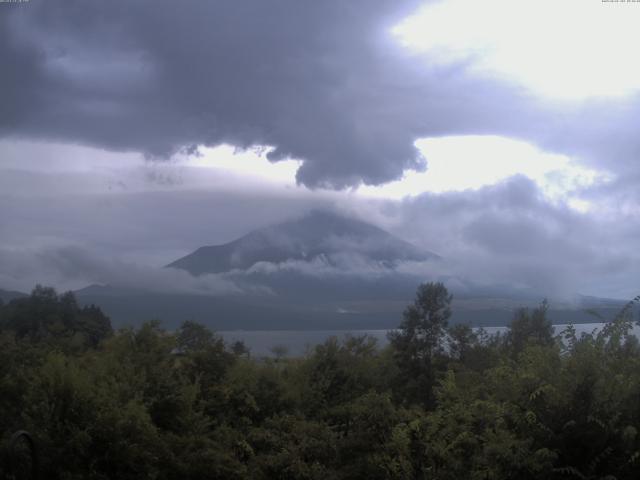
298, 342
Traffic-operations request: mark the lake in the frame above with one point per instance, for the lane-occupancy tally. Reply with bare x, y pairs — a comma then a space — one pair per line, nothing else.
297, 342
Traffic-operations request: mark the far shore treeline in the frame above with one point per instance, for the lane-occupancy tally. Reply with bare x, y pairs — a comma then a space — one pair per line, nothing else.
440, 401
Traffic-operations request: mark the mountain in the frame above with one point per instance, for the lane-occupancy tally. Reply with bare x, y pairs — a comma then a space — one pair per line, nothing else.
319, 236
320, 271
8, 295
312, 272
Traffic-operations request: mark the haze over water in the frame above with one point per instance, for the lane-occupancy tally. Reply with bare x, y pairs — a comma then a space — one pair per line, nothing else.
298, 342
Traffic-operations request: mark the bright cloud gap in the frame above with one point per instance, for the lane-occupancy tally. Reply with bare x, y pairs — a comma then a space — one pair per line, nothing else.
572, 49
458, 163
455, 163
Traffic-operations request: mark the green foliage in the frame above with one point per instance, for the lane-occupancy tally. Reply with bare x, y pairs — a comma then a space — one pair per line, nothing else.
418, 342
45, 316
530, 328
439, 402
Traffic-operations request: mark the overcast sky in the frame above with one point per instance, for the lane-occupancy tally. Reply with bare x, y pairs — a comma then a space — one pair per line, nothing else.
500, 134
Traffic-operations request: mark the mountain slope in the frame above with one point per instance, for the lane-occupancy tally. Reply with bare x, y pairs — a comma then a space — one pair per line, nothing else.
8, 295
318, 236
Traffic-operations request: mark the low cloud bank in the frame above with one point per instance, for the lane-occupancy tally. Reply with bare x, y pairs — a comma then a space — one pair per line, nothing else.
74, 267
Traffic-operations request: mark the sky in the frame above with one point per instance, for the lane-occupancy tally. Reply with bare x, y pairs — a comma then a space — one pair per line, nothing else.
499, 134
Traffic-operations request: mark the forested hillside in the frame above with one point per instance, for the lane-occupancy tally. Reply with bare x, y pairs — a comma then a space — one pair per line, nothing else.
440, 402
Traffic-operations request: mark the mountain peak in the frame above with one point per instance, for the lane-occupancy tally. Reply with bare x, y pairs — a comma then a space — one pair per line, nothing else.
319, 234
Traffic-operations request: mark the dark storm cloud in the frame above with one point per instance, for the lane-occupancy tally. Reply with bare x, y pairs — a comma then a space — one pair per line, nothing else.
511, 233
319, 80
598, 132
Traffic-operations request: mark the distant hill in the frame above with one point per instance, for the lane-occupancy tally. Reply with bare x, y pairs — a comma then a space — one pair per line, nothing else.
8, 295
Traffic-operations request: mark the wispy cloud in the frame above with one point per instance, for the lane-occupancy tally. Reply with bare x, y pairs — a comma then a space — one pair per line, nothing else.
75, 267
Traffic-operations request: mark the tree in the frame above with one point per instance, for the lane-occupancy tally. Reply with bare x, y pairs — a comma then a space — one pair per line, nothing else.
194, 337
530, 328
279, 351
419, 340
462, 340
57, 319
240, 349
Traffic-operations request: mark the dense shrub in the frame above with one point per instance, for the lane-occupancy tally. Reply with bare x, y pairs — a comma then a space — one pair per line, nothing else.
439, 402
